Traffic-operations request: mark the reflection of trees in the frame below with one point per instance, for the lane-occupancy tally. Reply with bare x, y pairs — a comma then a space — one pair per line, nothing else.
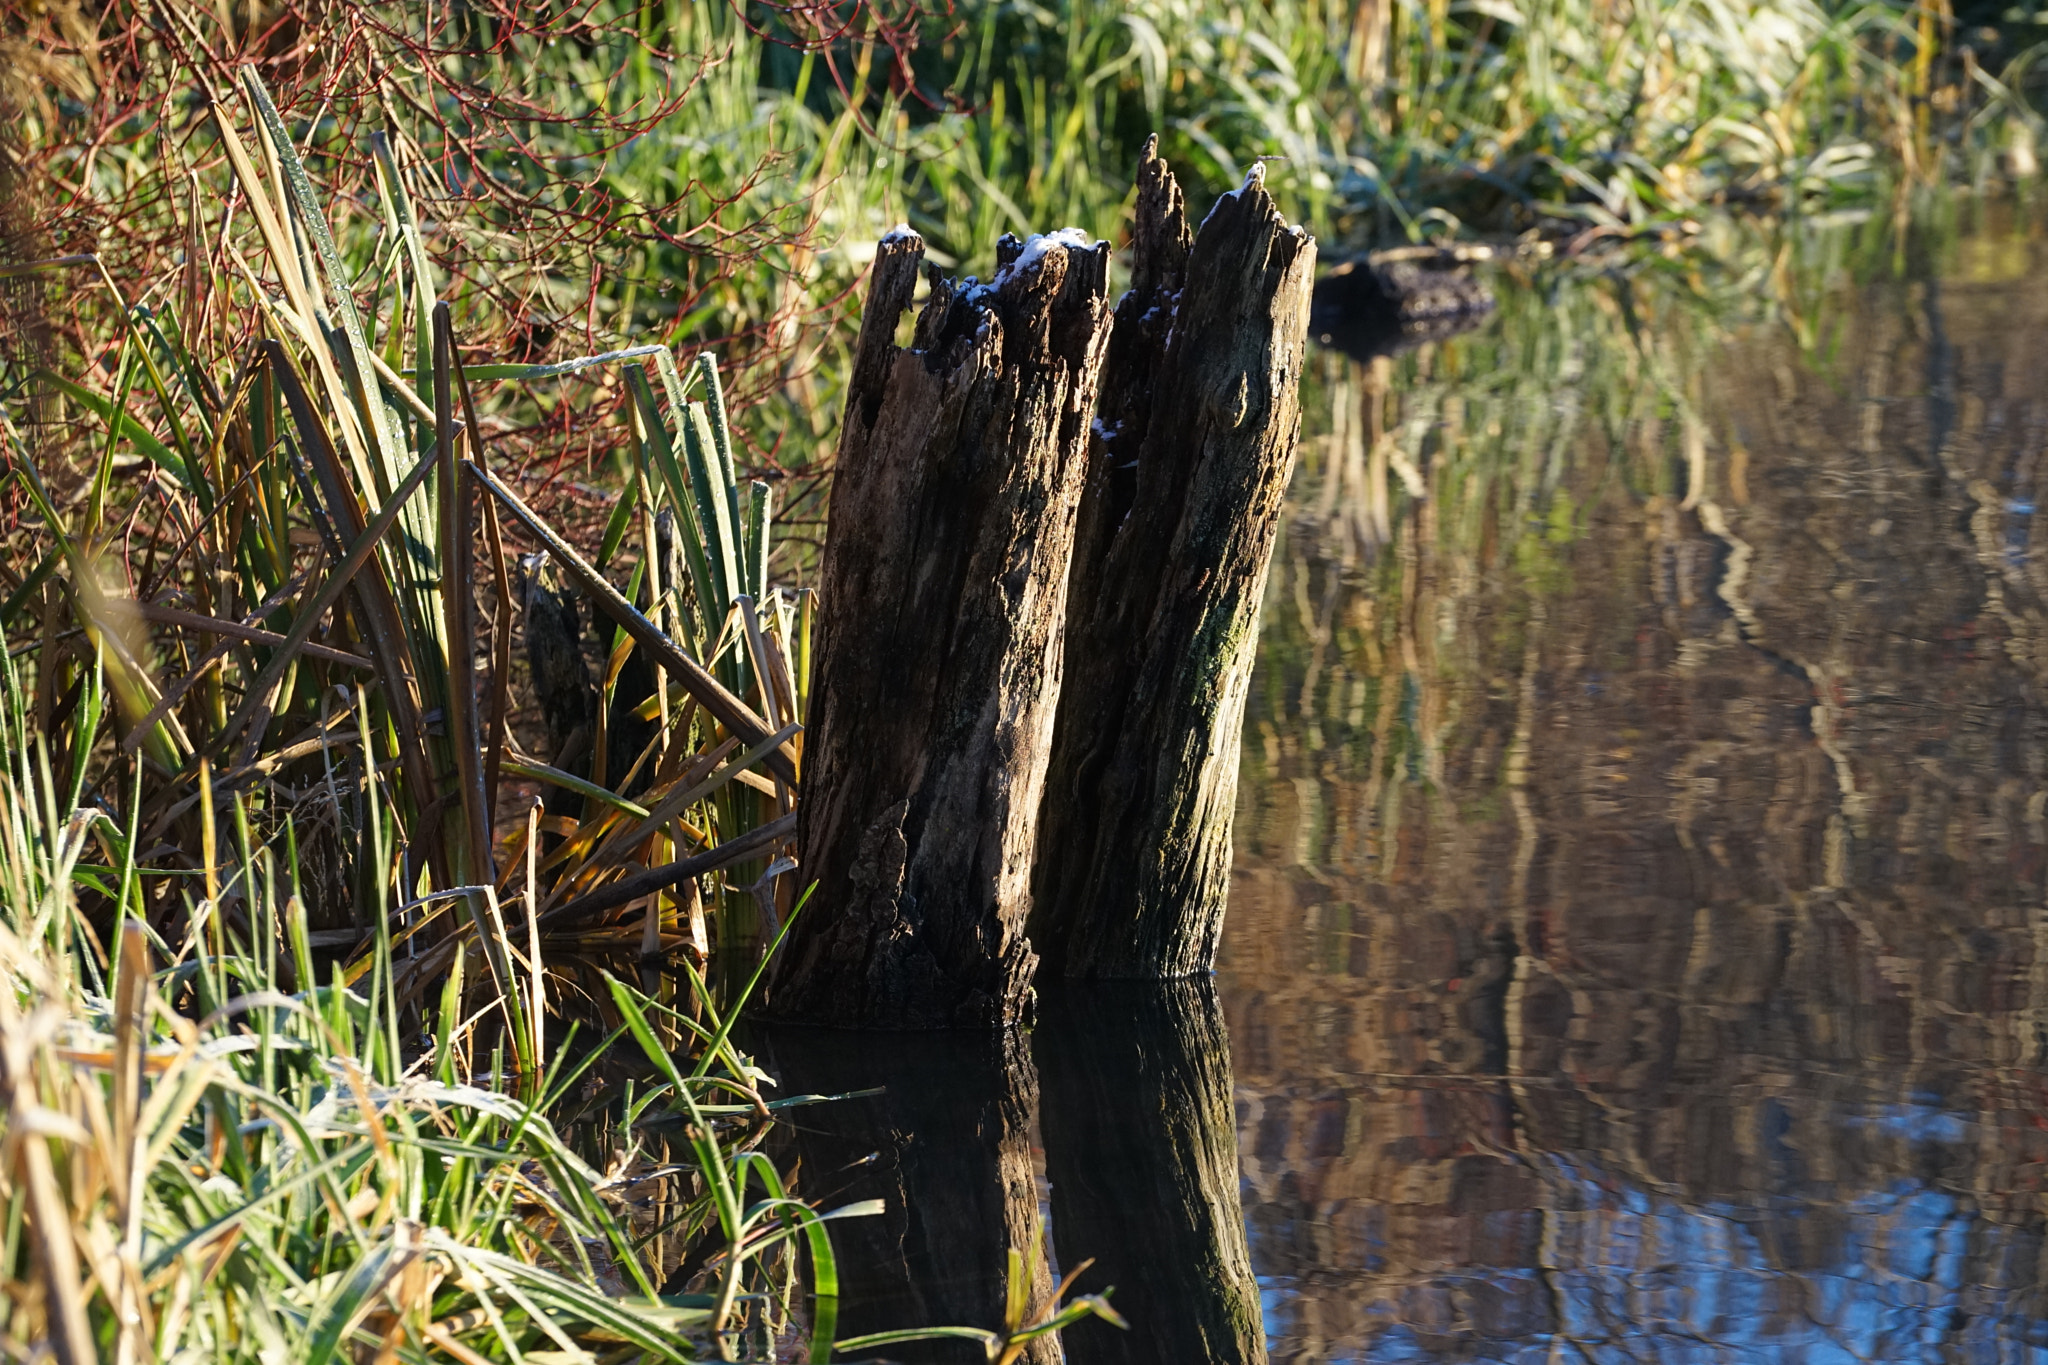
1680, 756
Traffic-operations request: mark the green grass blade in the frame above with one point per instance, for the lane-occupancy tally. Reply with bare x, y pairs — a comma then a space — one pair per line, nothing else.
760, 506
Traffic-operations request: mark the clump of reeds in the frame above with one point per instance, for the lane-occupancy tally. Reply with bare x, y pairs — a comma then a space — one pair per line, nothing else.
286, 940
212, 1146
1408, 119
277, 1027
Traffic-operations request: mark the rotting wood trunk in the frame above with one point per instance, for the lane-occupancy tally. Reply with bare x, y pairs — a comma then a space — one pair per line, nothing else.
937, 665
1193, 449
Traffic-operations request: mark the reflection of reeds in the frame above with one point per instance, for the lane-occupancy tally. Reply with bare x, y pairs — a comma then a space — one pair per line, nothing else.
1480, 1231
1739, 736
1467, 458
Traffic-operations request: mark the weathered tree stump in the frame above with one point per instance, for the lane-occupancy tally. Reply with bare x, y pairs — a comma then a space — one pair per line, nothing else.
937, 664
1191, 457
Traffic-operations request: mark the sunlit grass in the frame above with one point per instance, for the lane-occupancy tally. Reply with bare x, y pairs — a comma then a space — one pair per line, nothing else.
219, 1150
284, 1018
275, 998
1410, 118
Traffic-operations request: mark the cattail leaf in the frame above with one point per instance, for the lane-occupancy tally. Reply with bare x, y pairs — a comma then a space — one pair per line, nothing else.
760, 506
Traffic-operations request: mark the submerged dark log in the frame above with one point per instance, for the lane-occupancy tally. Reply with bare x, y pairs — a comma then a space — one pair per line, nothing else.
1191, 458
946, 1147
937, 662
1391, 300
1141, 1151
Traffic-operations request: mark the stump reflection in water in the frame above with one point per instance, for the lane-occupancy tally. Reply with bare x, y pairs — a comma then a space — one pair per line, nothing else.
1141, 1152
946, 1146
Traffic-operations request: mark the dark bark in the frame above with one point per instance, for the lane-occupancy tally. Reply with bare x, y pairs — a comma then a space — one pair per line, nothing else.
946, 1147
938, 655
561, 676
559, 661
1186, 475
1390, 301
1141, 1150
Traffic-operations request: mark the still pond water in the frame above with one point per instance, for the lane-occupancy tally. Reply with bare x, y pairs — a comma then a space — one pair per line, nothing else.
1638, 947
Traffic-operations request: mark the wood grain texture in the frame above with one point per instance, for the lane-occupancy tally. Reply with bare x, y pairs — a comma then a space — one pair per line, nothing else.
937, 664
1200, 418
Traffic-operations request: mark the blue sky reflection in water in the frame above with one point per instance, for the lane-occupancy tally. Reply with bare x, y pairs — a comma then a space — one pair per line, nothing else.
1638, 948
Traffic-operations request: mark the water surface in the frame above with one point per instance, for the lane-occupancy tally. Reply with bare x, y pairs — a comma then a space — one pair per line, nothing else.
1637, 949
